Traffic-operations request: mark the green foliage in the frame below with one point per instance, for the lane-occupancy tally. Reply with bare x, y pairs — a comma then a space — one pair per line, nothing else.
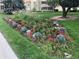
27, 49
69, 25
21, 45
69, 3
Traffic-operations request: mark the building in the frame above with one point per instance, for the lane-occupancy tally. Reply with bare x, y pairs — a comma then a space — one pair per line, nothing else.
40, 5
1, 6
36, 5
29, 4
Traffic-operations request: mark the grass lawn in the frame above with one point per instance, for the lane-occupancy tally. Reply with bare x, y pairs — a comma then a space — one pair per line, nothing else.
69, 24
73, 26
25, 49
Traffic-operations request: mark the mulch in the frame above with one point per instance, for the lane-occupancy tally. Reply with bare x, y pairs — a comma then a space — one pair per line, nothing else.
60, 18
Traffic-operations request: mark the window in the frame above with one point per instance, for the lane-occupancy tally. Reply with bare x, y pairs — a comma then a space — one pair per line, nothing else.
2, 7
44, 2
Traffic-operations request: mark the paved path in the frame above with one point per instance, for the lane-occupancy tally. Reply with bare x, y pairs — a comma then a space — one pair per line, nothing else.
5, 50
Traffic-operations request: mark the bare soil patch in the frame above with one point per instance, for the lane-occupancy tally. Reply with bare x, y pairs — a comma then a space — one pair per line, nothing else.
62, 18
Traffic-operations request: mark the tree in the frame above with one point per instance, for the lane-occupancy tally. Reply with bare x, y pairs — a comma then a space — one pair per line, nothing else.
8, 6
67, 5
12, 5
18, 4
53, 3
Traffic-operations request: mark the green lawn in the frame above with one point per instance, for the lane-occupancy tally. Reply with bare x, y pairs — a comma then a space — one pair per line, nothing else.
73, 28
25, 49
73, 25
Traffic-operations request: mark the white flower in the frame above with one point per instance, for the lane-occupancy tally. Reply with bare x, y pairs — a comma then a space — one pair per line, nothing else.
67, 55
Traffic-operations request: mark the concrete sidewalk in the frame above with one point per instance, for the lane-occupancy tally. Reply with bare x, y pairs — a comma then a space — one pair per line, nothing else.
6, 51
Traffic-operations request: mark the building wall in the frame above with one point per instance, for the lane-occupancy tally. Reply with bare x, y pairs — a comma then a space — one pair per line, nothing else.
34, 5
1, 6
29, 4
39, 5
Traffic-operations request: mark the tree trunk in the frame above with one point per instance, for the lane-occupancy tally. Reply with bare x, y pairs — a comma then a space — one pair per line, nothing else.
65, 11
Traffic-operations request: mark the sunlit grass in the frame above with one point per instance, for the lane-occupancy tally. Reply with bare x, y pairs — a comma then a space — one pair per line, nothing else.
26, 49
